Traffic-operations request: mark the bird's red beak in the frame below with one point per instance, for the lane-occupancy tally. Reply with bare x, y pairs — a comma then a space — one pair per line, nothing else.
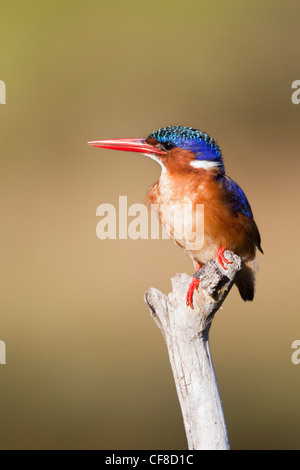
127, 145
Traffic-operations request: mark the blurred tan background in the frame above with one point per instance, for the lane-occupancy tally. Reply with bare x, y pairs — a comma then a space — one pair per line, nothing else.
86, 366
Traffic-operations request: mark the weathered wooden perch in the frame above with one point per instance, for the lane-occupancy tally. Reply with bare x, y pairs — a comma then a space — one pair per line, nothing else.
186, 334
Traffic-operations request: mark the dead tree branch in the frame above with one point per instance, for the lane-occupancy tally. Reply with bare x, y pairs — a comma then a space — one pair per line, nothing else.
186, 333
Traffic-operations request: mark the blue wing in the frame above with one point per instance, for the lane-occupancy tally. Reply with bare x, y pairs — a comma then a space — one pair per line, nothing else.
238, 201
236, 196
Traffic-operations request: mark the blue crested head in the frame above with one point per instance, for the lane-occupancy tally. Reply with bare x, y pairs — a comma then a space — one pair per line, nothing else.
207, 152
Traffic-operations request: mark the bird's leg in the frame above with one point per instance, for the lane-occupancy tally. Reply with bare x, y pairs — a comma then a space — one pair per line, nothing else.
198, 267
193, 285
221, 257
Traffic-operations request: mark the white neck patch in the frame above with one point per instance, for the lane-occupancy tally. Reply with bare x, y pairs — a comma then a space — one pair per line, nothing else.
205, 164
157, 160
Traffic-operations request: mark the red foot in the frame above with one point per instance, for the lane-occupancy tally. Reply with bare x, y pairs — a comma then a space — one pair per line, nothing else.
189, 298
221, 257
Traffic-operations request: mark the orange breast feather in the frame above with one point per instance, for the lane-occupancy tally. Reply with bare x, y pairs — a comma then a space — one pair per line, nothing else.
222, 225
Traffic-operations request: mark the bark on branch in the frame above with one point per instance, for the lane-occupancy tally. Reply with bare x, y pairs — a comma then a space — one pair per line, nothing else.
186, 334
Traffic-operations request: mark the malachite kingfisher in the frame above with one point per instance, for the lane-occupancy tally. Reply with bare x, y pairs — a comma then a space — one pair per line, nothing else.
193, 172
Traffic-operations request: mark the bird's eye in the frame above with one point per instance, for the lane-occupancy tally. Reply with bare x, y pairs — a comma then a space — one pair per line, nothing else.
168, 145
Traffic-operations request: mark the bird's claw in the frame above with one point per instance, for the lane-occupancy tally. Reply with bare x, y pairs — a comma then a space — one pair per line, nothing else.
193, 286
221, 257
